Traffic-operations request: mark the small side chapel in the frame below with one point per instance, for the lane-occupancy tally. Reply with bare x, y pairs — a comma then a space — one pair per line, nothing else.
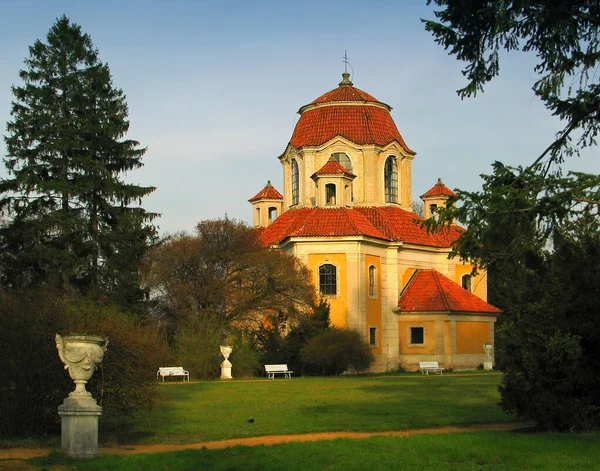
346, 213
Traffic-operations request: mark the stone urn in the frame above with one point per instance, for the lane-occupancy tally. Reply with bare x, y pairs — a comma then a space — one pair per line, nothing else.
226, 365
79, 412
81, 354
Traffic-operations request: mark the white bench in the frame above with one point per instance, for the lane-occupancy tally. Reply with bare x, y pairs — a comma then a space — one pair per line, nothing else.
273, 370
430, 366
172, 371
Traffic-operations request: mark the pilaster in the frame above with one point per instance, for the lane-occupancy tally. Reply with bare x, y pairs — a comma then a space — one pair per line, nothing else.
389, 301
355, 281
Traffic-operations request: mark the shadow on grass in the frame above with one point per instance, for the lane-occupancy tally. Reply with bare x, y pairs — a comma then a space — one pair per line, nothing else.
403, 405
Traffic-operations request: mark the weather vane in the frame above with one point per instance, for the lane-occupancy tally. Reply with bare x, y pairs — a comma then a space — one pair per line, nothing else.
346, 75
345, 62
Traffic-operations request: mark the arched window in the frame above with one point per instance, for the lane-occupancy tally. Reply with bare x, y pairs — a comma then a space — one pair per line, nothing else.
345, 162
330, 193
466, 282
433, 211
390, 176
372, 281
342, 159
272, 213
295, 183
328, 279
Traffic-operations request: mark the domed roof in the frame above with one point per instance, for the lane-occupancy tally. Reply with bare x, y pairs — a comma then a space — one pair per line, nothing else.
350, 113
439, 189
346, 92
267, 193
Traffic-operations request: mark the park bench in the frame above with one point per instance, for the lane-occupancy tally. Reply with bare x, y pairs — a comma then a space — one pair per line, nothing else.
430, 366
273, 370
172, 371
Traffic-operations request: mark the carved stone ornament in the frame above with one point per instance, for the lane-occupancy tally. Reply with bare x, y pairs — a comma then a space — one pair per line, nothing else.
488, 348
226, 365
81, 354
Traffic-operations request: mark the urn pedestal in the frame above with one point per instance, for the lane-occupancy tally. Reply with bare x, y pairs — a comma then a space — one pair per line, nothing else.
79, 412
226, 365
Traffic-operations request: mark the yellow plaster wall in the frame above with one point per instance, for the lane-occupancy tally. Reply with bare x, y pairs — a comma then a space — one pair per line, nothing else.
403, 337
460, 270
338, 304
447, 338
470, 336
374, 304
478, 283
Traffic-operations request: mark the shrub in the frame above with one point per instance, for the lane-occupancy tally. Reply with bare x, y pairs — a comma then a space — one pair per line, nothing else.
125, 381
197, 348
35, 381
279, 342
245, 358
307, 327
336, 350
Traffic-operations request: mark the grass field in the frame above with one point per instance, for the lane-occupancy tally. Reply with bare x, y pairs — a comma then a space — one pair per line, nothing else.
217, 410
220, 410
483, 451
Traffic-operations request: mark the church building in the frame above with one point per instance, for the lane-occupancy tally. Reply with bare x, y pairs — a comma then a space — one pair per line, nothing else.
346, 213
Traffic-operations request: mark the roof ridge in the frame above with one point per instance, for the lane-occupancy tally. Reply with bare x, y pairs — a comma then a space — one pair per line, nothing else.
385, 234
298, 228
385, 224
368, 126
351, 219
441, 291
408, 283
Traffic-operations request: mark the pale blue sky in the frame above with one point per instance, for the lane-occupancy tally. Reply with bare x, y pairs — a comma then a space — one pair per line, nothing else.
213, 90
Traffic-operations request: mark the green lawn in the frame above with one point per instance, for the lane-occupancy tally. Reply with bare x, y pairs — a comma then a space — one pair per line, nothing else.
220, 410
483, 451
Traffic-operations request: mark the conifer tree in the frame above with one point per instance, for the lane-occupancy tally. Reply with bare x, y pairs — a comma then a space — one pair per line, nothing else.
69, 213
535, 229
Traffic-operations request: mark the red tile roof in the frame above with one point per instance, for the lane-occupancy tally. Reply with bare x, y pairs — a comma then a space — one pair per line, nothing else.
359, 124
386, 223
430, 291
346, 93
333, 168
401, 225
267, 193
348, 112
318, 222
439, 189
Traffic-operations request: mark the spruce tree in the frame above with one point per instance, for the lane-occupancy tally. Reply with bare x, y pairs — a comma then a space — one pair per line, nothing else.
72, 221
